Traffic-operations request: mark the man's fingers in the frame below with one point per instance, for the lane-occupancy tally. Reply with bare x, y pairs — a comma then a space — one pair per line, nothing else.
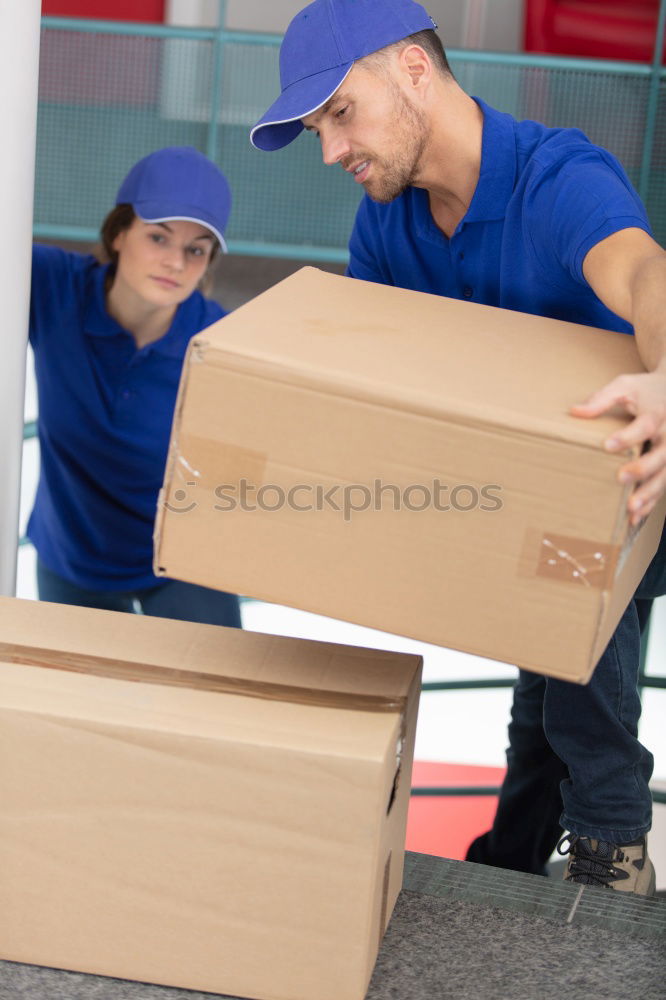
646, 427
650, 472
641, 469
643, 397
613, 394
644, 500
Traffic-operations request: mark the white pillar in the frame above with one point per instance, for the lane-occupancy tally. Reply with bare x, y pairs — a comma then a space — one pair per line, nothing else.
19, 67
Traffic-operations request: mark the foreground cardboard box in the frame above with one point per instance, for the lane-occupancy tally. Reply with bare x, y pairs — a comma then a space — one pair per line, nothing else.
393, 403
199, 807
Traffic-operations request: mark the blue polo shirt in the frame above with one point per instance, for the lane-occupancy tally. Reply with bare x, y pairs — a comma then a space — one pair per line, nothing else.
105, 411
544, 197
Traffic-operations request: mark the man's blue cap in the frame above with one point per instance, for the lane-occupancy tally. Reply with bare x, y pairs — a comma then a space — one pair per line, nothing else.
178, 182
320, 46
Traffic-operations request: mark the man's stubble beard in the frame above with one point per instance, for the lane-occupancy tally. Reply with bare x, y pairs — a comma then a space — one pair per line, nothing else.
411, 132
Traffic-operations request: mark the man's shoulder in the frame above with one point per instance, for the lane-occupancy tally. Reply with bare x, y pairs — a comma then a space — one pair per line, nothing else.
542, 150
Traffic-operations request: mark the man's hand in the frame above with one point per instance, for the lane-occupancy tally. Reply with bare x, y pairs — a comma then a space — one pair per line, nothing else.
644, 397
628, 272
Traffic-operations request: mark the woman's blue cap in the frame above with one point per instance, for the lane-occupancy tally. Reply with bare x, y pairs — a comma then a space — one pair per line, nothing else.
320, 47
178, 182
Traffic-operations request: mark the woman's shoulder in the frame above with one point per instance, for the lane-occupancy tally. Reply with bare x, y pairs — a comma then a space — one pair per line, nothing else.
203, 311
66, 267
62, 283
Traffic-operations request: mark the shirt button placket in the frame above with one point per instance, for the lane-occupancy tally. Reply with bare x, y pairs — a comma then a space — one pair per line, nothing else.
467, 290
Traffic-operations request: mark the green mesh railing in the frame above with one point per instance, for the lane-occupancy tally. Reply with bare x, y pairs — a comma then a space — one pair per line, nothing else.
111, 92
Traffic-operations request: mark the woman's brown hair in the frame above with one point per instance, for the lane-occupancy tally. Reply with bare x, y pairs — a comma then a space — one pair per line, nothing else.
117, 221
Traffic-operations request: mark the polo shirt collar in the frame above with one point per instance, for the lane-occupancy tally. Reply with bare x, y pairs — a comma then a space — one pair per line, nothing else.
497, 176
99, 323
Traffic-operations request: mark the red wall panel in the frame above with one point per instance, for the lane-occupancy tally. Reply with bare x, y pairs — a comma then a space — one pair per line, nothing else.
614, 29
107, 10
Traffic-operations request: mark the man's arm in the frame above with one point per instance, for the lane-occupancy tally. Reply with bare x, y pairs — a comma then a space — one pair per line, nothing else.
628, 273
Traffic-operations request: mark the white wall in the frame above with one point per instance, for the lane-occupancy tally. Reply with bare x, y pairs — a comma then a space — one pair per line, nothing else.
19, 58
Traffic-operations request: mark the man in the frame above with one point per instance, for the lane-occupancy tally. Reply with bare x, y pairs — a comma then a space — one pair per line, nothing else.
466, 202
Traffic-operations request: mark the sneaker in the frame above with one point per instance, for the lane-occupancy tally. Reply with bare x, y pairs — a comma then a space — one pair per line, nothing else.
625, 867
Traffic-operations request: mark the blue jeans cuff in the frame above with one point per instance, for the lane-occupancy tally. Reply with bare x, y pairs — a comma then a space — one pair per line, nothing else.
599, 833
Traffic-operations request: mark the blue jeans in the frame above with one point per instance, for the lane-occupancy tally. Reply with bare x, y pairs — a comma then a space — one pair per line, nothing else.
172, 599
574, 761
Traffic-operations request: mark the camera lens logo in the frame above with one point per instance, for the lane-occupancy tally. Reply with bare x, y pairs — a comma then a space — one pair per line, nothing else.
181, 502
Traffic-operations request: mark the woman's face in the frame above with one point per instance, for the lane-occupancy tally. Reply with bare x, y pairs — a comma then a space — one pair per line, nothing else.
162, 262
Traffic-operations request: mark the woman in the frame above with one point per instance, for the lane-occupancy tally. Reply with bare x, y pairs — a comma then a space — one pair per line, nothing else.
109, 342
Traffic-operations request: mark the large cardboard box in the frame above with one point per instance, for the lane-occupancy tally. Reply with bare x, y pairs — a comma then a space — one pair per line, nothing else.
472, 510
197, 806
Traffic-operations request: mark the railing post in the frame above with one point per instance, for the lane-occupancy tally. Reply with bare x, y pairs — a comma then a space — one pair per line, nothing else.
216, 80
653, 104
19, 69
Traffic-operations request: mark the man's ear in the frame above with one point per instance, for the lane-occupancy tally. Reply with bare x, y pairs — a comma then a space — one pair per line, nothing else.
415, 62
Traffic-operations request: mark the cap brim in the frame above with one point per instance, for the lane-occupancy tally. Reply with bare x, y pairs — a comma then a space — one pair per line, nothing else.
149, 213
283, 120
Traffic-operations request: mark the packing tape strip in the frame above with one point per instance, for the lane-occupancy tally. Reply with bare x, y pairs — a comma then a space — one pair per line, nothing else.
568, 559
148, 673
211, 464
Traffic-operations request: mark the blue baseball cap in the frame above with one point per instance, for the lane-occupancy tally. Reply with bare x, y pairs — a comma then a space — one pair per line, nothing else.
320, 46
178, 182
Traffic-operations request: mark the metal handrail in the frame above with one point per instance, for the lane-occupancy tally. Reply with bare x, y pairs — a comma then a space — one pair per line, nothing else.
252, 248
89, 26
469, 791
